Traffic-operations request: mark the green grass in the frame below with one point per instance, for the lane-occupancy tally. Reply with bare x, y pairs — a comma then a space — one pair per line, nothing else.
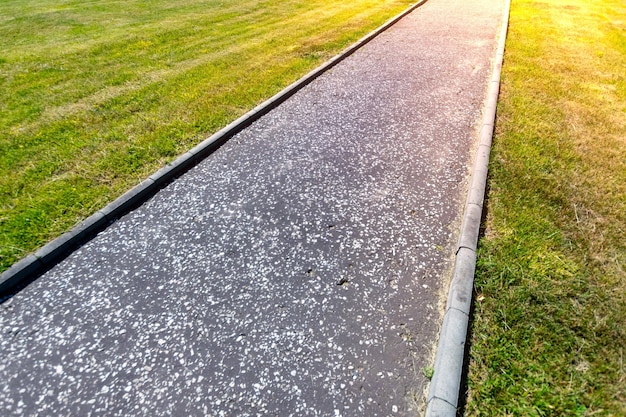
96, 95
549, 332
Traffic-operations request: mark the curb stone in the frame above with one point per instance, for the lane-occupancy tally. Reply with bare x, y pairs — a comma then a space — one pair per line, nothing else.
445, 385
33, 265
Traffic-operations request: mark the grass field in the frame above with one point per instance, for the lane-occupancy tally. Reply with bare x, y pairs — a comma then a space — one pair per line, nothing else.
97, 95
549, 331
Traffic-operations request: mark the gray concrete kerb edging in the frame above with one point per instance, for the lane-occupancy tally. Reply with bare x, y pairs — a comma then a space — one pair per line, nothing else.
445, 385
34, 264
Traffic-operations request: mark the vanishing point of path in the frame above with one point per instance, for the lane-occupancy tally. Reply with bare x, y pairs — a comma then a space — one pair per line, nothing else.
296, 271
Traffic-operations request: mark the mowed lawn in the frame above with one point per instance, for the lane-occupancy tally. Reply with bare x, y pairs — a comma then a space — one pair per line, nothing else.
96, 95
549, 329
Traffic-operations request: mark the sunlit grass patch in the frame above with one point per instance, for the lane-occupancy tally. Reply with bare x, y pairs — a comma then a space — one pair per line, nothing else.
549, 332
96, 95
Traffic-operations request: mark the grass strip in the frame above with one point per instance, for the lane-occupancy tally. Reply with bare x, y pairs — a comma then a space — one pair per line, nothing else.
549, 329
96, 95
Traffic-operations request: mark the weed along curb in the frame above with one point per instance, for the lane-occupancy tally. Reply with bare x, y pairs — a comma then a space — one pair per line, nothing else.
33, 265
445, 385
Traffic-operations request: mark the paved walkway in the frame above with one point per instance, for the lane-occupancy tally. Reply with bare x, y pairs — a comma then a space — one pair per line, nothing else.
296, 271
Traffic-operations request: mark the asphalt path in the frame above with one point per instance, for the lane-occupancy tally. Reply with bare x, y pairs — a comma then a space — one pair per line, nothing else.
298, 270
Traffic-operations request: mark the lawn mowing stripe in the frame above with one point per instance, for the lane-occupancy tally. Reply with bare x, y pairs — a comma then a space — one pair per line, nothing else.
445, 386
33, 265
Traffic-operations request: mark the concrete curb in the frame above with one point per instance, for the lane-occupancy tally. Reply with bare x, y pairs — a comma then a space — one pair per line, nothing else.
33, 265
445, 384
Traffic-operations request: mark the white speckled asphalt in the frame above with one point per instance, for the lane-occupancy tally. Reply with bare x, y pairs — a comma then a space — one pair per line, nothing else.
296, 271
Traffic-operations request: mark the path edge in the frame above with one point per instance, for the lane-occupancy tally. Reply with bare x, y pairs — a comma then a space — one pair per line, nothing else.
33, 265
445, 385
